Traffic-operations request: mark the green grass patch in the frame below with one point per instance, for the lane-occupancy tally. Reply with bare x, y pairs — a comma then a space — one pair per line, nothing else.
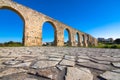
108, 45
11, 44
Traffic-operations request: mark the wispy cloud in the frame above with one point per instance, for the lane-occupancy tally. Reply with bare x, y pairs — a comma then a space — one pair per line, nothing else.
107, 31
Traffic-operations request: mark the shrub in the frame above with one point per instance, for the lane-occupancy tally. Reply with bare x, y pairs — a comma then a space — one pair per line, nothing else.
114, 46
11, 44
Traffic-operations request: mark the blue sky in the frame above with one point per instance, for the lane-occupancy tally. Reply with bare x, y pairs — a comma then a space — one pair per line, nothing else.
100, 18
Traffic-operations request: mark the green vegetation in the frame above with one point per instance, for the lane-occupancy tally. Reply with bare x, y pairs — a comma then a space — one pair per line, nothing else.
100, 45
108, 45
11, 44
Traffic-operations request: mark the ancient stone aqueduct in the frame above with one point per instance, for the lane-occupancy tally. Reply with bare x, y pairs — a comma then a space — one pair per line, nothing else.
33, 22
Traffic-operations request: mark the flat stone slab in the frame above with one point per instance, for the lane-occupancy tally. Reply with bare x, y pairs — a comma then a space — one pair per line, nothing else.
54, 59
116, 64
11, 62
110, 75
101, 62
55, 55
116, 56
82, 60
116, 70
44, 64
78, 74
65, 62
2, 67
95, 66
11, 71
68, 57
70, 63
26, 64
60, 67
112, 59
51, 73
83, 57
30, 79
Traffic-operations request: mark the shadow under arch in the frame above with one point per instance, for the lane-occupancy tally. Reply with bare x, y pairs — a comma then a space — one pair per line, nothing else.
68, 43
83, 39
88, 40
77, 38
51, 24
21, 16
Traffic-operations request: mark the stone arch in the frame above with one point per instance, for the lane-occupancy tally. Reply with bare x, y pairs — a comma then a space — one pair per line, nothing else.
83, 39
88, 38
55, 30
69, 35
77, 36
20, 15
14, 10
33, 22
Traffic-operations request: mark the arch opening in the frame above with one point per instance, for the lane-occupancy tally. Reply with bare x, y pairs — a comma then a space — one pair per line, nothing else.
66, 37
83, 40
12, 27
77, 39
88, 39
48, 34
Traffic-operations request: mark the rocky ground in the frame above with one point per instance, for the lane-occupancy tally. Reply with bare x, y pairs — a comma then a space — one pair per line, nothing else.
59, 63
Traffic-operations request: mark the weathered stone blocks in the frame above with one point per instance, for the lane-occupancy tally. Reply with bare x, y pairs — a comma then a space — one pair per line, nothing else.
33, 22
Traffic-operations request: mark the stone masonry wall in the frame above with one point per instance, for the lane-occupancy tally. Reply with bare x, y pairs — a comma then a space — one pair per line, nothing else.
33, 22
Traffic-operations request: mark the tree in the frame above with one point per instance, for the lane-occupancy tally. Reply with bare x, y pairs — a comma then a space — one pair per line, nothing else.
117, 41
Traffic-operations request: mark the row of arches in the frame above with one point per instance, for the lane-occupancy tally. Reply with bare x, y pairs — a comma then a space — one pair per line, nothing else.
32, 32
48, 30
79, 39
16, 29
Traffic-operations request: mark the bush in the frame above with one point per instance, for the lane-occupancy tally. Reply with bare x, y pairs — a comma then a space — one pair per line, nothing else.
103, 45
117, 41
11, 44
114, 46
106, 46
